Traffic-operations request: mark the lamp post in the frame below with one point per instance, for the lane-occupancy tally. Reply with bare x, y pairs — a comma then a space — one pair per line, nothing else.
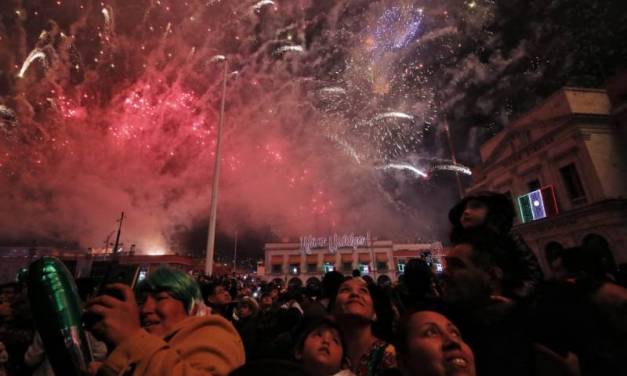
213, 211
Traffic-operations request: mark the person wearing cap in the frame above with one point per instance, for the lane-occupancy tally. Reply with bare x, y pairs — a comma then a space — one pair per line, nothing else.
493, 214
161, 333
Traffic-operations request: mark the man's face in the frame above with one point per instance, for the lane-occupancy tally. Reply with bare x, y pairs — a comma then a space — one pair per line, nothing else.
474, 214
220, 297
464, 282
435, 348
160, 313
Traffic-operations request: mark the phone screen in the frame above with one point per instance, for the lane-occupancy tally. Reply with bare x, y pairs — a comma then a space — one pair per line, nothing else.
125, 274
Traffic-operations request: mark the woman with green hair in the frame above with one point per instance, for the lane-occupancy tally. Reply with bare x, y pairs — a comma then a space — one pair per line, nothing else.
163, 329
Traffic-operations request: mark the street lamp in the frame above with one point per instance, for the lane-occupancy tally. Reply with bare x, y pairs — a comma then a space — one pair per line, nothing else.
213, 211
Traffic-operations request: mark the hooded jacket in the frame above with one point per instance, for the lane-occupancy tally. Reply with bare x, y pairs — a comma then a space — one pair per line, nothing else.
206, 345
526, 273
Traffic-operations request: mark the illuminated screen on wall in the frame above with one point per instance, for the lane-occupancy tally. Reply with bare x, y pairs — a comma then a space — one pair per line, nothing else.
538, 204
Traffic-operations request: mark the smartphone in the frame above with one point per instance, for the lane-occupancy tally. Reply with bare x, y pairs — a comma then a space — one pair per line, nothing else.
116, 273
124, 274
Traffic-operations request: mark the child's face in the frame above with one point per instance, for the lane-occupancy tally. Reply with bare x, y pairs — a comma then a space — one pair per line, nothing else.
323, 351
474, 214
244, 311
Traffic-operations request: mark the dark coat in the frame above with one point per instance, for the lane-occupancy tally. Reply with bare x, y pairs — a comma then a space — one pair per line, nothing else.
524, 272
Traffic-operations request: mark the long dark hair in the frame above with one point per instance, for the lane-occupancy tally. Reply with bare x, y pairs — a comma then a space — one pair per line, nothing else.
382, 327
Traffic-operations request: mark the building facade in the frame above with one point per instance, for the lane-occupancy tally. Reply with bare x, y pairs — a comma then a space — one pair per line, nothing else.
564, 165
85, 264
381, 260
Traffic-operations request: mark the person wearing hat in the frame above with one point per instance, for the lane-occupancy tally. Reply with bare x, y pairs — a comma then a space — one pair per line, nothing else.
493, 214
246, 324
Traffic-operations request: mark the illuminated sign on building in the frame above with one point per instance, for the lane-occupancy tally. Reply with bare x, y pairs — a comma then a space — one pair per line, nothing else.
334, 242
538, 204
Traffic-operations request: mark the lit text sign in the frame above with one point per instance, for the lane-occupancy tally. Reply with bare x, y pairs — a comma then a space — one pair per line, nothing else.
333, 242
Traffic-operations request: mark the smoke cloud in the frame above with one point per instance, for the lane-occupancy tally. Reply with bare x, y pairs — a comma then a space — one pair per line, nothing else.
115, 108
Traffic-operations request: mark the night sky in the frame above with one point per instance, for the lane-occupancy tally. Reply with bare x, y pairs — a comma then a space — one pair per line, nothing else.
335, 111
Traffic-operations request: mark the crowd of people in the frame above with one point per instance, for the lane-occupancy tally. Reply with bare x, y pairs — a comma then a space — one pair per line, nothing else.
491, 312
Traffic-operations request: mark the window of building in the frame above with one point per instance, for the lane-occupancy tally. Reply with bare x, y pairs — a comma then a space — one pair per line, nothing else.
573, 185
533, 185
294, 269
328, 267
364, 269
401, 266
312, 268
277, 269
382, 266
347, 266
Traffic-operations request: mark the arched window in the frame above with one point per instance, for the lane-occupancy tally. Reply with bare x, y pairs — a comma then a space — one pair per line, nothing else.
295, 282
552, 251
313, 281
384, 280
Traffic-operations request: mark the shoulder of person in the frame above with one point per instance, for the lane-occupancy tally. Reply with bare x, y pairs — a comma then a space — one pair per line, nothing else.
208, 323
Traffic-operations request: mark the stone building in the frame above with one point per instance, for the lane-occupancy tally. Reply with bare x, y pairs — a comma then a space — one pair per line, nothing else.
564, 164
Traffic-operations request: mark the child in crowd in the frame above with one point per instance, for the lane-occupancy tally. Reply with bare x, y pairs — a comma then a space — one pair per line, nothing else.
320, 348
493, 214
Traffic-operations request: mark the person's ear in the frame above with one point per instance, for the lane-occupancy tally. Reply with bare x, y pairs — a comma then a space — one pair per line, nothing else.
298, 354
496, 273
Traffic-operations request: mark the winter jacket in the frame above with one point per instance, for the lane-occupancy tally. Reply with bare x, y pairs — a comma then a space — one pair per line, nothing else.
206, 345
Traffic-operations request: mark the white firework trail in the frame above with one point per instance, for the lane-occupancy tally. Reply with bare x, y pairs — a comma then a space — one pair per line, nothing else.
107, 13
333, 90
260, 4
453, 167
347, 148
217, 58
35, 54
289, 48
168, 30
393, 115
406, 167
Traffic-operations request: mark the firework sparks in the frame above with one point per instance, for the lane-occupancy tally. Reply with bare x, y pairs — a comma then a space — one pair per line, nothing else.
334, 90
35, 54
392, 115
260, 4
289, 48
397, 27
130, 90
453, 167
8, 118
109, 26
406, 167
217, 58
